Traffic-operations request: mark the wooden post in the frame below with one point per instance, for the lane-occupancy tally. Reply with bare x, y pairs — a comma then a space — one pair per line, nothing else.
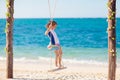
111, 39
9, 37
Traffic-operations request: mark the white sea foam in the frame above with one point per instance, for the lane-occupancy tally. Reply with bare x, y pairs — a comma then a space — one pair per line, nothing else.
77, 61
2, 58
65, 60
15, 59
43, 58
20, 59
85, 61
73, 61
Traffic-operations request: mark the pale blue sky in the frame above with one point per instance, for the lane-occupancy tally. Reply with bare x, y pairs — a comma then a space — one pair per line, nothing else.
65, 8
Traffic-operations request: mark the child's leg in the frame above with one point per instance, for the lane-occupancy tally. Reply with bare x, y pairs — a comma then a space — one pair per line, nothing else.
60, 57
56, 59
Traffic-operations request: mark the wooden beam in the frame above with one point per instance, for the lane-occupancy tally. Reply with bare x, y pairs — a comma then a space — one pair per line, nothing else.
111, 39
9, 38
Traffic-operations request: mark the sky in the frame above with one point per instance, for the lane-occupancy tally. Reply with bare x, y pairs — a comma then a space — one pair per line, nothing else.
64, 8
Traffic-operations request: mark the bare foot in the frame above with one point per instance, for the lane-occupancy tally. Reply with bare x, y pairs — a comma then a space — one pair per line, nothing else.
56, 65
61, 66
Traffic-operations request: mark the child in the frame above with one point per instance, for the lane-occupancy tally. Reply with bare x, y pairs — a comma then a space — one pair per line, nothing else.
54, 42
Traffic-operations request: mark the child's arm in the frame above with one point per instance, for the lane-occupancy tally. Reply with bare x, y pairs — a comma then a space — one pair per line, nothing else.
47, 31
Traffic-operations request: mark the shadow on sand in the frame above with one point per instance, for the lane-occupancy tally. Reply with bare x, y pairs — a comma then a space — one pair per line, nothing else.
57, 69
28, 79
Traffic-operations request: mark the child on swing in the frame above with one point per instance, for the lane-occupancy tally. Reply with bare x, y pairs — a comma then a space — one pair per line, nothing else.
54, 43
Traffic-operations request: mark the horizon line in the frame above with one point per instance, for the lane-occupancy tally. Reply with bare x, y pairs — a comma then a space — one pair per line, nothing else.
54, 18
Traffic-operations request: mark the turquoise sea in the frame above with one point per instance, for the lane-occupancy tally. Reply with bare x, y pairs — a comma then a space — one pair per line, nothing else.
82, 39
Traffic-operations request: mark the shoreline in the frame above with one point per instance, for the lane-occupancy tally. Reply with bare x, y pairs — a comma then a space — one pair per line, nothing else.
70, 61
38, 70
94, 62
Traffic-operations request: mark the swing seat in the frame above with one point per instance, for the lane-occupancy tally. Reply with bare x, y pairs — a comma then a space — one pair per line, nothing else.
54, 47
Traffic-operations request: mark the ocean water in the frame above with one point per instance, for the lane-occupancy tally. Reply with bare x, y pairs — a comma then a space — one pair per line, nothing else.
82, 39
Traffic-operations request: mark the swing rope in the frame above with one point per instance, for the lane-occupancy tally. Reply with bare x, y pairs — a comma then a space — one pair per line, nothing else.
51, 19
50, 11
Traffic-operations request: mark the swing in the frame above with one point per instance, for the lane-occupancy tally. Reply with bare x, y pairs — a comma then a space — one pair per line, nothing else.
51, 19
54, 47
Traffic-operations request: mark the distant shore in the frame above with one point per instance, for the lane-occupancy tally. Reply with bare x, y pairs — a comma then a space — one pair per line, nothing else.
38, 70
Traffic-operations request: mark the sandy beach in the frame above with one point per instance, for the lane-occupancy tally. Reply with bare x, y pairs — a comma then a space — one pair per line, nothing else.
84, 36
39, 70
